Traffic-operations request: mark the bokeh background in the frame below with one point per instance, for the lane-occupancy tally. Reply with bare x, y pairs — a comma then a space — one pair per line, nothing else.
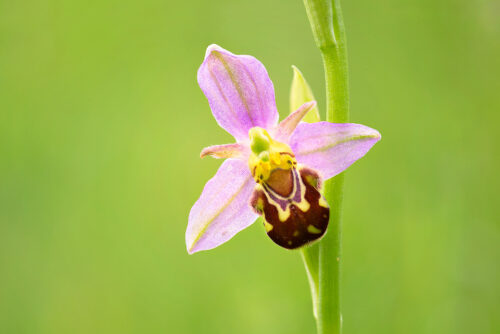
102, 122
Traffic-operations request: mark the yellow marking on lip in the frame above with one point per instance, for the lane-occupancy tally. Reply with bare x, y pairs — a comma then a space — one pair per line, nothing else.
303, 204
313, 230
268, 226
260, 204
282, 215
322, 202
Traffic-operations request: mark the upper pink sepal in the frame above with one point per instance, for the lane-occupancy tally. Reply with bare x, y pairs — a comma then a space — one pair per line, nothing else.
286, 127
222, 209
239, 91
331, 147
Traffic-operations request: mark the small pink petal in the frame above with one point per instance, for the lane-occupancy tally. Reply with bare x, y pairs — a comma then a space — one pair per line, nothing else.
223, 208
236, 151
239, 91
287, 126
331, 147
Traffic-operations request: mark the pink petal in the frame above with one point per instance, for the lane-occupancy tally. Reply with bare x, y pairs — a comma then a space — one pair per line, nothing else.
223, 208
239, 91
236, 151
329, 147
288, 125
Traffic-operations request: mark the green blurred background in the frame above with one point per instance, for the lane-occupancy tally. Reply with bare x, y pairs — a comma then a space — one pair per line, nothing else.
102, 122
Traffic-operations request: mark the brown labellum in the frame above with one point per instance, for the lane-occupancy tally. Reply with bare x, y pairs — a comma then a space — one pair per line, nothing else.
294, 210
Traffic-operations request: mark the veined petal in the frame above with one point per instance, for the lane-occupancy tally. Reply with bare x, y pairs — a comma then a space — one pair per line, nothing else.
288, 125
331, 147
223, 208
239, 91
236, 151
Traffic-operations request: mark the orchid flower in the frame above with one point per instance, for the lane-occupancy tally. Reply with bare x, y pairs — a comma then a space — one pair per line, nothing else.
273, 169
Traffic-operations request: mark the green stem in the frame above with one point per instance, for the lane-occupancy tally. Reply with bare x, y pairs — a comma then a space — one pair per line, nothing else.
310, 256
329, 316
326, 21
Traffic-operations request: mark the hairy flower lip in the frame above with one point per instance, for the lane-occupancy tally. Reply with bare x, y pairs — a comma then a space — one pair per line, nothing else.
241, 97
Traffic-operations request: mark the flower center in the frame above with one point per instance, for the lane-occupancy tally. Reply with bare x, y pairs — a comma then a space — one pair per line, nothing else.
268, 155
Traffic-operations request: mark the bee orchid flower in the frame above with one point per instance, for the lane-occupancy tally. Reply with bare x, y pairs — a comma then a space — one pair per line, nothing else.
273, 169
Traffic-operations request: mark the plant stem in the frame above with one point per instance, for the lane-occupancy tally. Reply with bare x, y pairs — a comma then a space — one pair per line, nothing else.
326, 21
310, 256
329, 316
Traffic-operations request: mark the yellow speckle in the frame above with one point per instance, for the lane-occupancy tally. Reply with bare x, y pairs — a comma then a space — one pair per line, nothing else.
312, 181
313, 230
296, 233
322, 202
259, 206
268, 226
303, 205
289, 242
283, 215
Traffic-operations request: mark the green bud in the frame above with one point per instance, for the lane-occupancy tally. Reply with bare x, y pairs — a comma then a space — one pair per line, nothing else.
300, 94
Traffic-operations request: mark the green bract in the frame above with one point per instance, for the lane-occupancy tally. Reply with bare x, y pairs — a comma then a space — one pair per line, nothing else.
300, 94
